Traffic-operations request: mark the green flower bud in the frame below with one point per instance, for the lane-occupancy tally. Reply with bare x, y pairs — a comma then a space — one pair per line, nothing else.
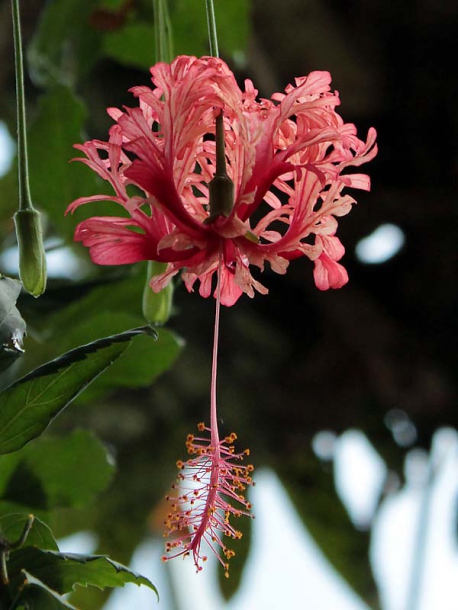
32, 259
157, 306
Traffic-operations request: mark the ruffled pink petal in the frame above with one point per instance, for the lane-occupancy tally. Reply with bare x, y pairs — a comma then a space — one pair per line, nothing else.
91, 199
112, 242
328, 273
230, 291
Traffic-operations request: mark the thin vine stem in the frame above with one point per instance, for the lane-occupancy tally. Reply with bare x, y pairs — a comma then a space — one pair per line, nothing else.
163, 31
212, 34
25, 199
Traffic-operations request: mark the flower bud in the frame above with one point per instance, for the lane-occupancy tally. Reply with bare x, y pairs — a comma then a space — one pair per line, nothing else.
32, 259
157, 306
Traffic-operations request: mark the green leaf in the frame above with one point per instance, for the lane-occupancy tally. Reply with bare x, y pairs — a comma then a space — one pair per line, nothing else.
56, 472
61, 572
12, 326
189, 26
141, 367
84, 321
29, 405
64, 45
35, 595
40, 536
59, 122
133, 45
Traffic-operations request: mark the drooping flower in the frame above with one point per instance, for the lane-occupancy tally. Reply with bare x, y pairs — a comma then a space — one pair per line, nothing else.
208, 493
287, 158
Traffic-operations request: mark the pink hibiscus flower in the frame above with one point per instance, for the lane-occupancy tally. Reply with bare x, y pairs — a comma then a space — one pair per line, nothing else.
286, 157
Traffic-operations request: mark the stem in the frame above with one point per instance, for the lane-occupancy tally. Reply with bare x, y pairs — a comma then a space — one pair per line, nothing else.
221, 186
157, 306
3, 567
163, 31
213, 407
25, 533
6, 547
212, 34
25, 200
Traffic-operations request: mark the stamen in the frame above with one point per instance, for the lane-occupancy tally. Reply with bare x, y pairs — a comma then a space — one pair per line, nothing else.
206, 500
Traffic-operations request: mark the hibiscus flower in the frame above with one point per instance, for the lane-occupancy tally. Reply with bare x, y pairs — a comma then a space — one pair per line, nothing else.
286, 159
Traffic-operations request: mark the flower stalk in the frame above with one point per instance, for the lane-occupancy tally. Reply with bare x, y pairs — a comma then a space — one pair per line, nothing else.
25, 199
162, 31
157, 307
27, 220
212, 32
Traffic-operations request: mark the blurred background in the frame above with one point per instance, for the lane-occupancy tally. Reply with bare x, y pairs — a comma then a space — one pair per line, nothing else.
347, 399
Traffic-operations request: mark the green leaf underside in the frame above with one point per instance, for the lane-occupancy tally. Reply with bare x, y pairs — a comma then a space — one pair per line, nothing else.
40, 536
61, 572
56, 473
35, 595
12, 326
29, 405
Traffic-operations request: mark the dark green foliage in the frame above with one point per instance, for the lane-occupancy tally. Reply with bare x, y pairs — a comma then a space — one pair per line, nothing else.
37, 477
39, 575
62, 571
29, 405
12, 326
